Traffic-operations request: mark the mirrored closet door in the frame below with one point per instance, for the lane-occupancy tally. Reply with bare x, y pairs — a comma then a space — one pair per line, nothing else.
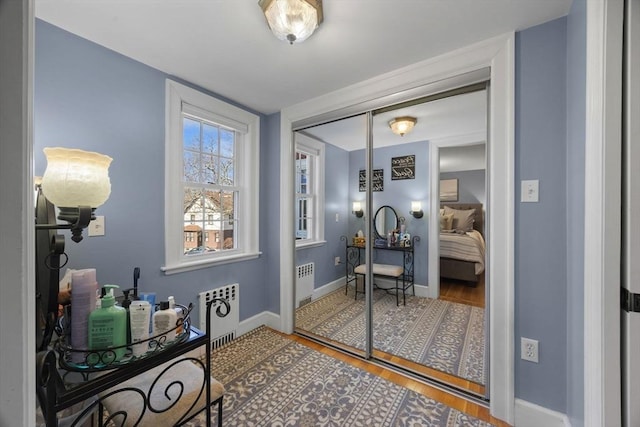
330, 214
390, 313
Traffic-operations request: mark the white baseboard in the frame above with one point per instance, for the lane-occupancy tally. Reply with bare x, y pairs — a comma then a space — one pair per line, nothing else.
422, 291
381, 282
328, 288
266, 318
531, 415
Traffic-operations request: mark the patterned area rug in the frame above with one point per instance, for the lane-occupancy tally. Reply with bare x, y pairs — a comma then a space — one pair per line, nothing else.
443, 335
271, 380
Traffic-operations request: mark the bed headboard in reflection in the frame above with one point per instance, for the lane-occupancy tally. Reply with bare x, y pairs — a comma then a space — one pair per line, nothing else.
478, 223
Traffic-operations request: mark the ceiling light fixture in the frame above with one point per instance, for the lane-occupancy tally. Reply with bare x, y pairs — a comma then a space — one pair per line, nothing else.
402, 125
292, 20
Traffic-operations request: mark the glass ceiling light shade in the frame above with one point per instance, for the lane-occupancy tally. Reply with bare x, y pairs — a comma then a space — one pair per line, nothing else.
292, 20
402, 125
76, 178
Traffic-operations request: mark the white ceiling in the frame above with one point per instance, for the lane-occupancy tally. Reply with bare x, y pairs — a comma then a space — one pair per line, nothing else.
461, 119
463, 158
225, 45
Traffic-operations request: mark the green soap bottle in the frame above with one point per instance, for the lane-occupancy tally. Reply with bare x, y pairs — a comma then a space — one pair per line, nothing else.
107, 328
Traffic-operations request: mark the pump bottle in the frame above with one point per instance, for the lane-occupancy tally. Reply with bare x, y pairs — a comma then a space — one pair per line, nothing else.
108, 328
180, 313
164, 322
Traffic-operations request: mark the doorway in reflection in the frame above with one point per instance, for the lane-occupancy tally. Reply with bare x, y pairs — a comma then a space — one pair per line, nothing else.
433, 337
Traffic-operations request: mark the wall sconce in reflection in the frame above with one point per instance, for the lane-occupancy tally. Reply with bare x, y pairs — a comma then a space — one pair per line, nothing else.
416, 210
357, 209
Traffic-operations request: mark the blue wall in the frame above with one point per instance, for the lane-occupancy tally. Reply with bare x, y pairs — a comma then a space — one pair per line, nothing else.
471, 185
270, 206
576, 110
541, 228
397, 194
92, 98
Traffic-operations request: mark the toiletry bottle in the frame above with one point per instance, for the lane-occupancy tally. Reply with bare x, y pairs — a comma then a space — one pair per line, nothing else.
108, 328
84, 291
179, 313
126, 303
139, 315
164, 323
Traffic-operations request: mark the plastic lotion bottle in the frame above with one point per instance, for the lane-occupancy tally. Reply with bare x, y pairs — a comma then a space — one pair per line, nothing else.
108, 328
139, 318
179, 312
164, 323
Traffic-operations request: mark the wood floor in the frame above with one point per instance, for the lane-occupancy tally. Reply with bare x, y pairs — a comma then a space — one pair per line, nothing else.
456, 402
463, 292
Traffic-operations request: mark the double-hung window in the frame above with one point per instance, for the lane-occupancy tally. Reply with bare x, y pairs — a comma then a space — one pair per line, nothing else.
309, 189
211, 181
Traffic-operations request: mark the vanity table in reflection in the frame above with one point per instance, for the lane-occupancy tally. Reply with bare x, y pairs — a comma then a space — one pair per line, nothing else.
403, 274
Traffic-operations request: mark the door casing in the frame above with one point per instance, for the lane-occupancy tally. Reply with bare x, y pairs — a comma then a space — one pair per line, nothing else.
498, 55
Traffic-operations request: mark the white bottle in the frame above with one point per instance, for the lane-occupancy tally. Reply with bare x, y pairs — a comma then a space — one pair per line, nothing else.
139, 315
164, 323
179, 312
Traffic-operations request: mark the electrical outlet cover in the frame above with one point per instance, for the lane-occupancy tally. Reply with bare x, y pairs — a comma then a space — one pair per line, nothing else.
529, 349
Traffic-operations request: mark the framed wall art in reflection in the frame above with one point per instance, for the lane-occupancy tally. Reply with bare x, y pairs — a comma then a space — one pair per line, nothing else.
449, 190
377, 181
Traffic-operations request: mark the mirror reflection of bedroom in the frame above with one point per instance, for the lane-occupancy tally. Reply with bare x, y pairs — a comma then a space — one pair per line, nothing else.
439, 337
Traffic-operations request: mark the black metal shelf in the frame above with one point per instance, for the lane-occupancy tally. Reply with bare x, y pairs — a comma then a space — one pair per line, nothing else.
56, 392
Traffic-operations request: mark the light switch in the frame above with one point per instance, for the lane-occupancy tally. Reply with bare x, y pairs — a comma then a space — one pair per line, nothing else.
337, 217
96, 227
529, 191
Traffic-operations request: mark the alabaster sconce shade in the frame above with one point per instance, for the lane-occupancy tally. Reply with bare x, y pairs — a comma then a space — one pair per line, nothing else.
76, 177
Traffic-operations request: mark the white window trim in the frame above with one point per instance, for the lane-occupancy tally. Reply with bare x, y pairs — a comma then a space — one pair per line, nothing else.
176, 96
317, 150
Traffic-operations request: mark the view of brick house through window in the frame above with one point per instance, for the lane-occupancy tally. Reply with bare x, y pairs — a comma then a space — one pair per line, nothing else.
209, 186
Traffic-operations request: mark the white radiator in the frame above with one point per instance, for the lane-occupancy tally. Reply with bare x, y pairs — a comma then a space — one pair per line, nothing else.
223, 329
304, 283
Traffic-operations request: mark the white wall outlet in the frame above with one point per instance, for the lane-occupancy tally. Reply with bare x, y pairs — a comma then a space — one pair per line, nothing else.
337, 260
529, 191
96, 227
529, 349
337, 217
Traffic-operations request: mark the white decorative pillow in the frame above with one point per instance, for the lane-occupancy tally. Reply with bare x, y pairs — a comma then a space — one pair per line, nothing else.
446, 222
462, 219
441, 211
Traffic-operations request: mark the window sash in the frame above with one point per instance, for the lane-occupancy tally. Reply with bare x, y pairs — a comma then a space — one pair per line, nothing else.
309, 186
245, 219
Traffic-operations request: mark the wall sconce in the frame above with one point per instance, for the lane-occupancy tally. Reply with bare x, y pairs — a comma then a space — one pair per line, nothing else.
416, 210
357, 209
292, 20
402, 125
78, 182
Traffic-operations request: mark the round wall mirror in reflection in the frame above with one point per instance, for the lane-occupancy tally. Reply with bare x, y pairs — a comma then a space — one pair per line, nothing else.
385, 220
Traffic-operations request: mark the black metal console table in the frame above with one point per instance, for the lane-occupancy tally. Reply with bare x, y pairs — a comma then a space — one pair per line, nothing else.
56, 392
354, 257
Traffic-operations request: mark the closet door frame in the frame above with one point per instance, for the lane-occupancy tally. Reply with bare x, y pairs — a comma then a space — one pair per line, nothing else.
497, 55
